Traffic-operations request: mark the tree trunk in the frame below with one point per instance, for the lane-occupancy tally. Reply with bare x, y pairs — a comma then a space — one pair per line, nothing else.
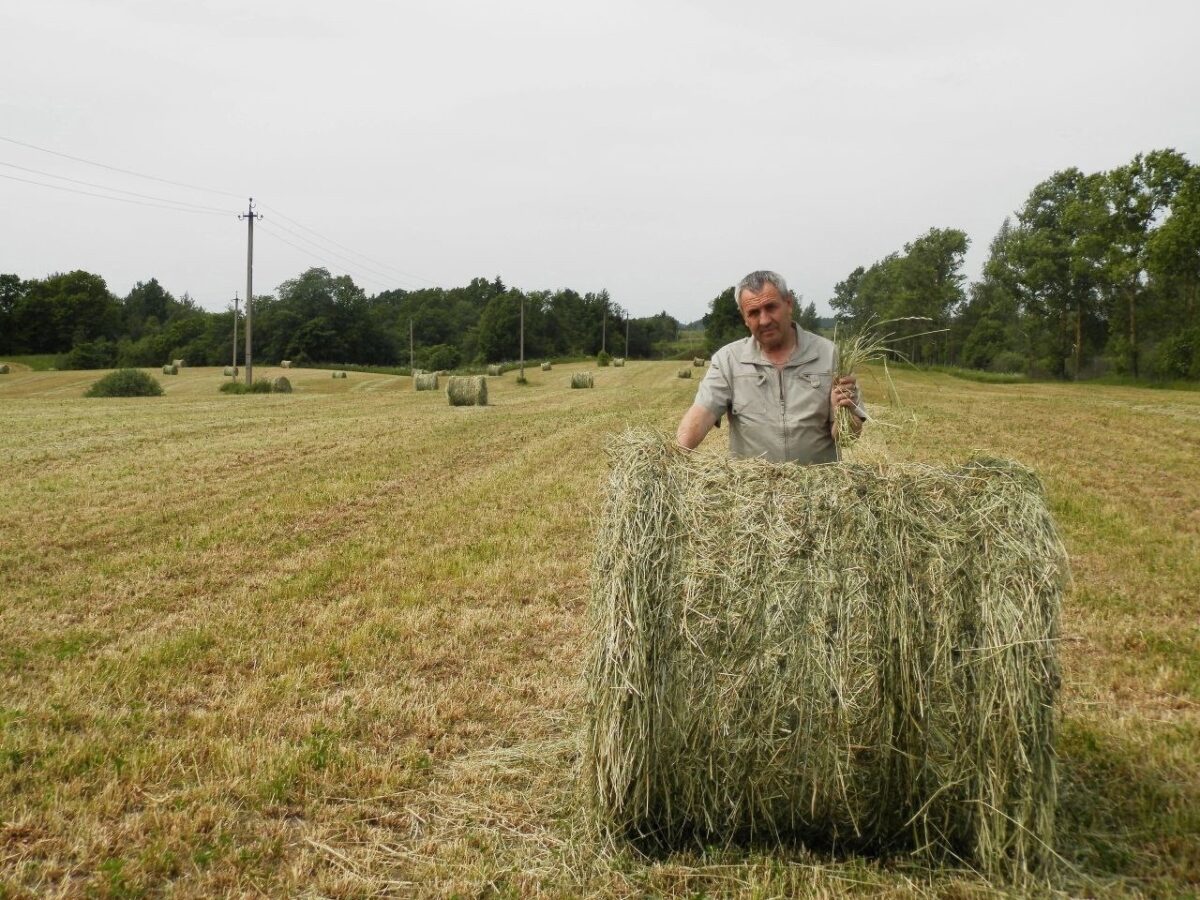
1078, 339
1133, 341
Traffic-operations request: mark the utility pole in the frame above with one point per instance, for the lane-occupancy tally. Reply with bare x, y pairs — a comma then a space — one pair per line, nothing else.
522, 338
604, 329
250, 215
235, 314
411, 357
626, 334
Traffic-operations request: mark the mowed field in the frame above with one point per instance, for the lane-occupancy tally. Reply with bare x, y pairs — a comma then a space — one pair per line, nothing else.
331, 643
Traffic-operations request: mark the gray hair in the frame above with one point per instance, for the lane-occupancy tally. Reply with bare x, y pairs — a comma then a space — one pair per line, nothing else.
757, 281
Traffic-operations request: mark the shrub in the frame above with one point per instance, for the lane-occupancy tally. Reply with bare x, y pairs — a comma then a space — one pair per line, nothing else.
1008, 361
240, 387
603, 359
126, 383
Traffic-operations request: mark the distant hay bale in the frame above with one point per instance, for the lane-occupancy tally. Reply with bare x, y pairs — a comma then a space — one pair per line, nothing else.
339, 374
581, 380
698, 362
231, 370
281, 385
684, 373
426, 382
171, 369
618, 361
178, 363
467, 390
852, 655
3, 368
494, 370
285, 363
546, 367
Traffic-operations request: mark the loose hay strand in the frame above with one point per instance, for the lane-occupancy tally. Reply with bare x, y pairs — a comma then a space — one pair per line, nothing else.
856, 655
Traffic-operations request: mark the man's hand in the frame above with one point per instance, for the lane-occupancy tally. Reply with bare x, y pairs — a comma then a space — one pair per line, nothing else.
845, 393
697, 422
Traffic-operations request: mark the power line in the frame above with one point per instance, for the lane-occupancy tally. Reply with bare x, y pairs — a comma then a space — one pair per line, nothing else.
105, 187
329, 252
377, 262
60, 187
89, 162
309, 255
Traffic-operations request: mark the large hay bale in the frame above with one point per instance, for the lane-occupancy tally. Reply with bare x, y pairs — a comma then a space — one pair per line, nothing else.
425, 382
698, 362
178, 363
494, 370
231, 370
281, 385
171, 369
582, 380
285, 363
546, 367
684, 373
858, 656
467, 390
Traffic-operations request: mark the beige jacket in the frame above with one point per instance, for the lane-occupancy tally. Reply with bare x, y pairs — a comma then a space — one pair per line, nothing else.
782, 415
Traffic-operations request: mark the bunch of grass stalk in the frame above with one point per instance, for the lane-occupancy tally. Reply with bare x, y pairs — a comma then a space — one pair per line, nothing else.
856, 657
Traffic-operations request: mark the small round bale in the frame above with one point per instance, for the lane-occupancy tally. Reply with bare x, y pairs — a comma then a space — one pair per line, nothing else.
698, 362
546, 367
426, 382
171, 369
855, 655
618, 361
231, 370
339, 374
3, 368
684, 373
178, 363
281, 385
285, 363
495, 370
582, 380
467, 390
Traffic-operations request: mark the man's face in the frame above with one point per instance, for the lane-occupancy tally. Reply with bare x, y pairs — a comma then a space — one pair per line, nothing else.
768, 316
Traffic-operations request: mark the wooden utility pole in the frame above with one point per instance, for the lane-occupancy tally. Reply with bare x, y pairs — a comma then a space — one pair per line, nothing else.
411, 357
250, 215
604, 329
626, 334
235, 314
522, 337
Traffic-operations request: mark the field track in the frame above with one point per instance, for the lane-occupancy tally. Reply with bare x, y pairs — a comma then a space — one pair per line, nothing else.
330, 642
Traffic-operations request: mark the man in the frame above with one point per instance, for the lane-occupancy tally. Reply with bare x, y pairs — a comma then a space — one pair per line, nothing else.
779, 386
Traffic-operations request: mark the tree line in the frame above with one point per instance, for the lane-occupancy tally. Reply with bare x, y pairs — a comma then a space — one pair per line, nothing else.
316, 318
1096, 273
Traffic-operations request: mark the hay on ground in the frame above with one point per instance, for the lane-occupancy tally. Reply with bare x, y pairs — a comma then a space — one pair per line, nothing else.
3, 368
467, 390
546, 367
698, 362
684, 373
285, 363
178, 363
618, 361
171, 369
281, 385
582, 380
425, 382
850, 655
231, 370
494, 370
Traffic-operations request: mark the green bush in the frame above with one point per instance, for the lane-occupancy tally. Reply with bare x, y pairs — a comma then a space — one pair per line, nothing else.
603, 359
125, 383
240, 387
1008, 361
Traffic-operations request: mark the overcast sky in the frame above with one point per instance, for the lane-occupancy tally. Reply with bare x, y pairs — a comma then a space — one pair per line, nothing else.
657, 149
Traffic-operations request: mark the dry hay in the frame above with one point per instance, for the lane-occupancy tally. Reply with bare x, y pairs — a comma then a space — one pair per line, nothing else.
545, 367
582, 380
231, 370
3, 368
281, 385
285, 363
467, 390
426, 382
178, 363
698, 362
494, 370
684, 373
339, 374
854, 656
171, 369
618, 361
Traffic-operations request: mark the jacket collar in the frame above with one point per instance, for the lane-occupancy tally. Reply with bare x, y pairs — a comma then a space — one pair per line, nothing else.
805, 350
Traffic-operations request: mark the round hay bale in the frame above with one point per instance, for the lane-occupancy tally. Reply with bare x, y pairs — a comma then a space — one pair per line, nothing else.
339, 374
698, 362
425, 382
618, 361
862, 656
281, 385
231, 370
546, 367
684, 373
3, 368
581, 380
285, 363
494, 370
178, 363
171, 369
467, 390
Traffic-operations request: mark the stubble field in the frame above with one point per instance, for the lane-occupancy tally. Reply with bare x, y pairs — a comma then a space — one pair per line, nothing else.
330, 643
